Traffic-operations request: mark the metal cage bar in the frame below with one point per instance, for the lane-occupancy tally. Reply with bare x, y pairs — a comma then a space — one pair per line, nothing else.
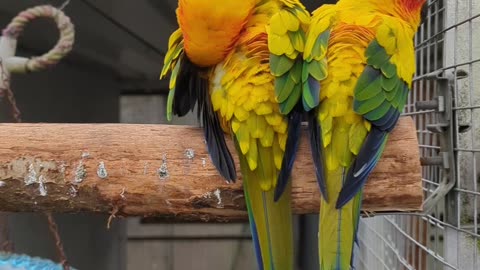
446, 236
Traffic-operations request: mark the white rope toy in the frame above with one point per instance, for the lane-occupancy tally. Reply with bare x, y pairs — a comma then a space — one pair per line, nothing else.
8, 41
9, 63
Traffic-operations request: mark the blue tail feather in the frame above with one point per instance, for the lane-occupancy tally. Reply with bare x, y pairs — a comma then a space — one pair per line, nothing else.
363, 165
357, 221
291, 149
317, 155
256, 242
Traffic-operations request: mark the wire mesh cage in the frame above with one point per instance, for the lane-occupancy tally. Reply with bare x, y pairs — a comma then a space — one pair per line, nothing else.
445, 104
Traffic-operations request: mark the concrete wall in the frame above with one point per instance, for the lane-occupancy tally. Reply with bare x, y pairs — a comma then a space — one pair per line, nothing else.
463, 43
465, 47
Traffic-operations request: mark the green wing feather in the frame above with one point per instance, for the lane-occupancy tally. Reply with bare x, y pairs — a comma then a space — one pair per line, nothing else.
286, 61
174, 53
380, 94
315, 55
315, 70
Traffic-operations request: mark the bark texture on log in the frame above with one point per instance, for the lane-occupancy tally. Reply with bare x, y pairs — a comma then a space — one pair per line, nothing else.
163, 170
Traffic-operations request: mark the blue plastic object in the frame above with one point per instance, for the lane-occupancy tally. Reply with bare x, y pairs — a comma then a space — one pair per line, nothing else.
23, 262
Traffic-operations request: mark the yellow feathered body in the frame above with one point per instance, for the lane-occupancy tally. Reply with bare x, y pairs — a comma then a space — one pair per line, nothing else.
353, 29
231, 43
243, 95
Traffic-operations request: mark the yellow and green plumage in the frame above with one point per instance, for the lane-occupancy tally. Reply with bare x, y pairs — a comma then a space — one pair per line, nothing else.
241, 62
361, 54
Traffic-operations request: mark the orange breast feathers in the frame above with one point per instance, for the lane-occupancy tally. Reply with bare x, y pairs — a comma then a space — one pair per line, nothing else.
211, 28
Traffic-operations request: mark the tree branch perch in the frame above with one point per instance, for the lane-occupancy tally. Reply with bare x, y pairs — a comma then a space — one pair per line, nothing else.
163, 170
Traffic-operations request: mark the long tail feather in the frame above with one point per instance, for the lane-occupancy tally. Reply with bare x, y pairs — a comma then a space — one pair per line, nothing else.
339, 217
317, 155
188, 80
337, 227
270, 221
363, 165
291, 148
217, 147
193, 91
357, 206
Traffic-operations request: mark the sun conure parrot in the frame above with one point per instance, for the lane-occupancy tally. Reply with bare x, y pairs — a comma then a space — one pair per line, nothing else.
240, 63
360, 58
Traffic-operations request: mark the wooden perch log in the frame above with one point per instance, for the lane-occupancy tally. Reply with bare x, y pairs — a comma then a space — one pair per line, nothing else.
164, 170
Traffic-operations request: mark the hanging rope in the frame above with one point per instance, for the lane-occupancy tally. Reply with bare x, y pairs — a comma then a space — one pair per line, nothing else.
7, 244
52, 225
10, 64
51, 222
5, 90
